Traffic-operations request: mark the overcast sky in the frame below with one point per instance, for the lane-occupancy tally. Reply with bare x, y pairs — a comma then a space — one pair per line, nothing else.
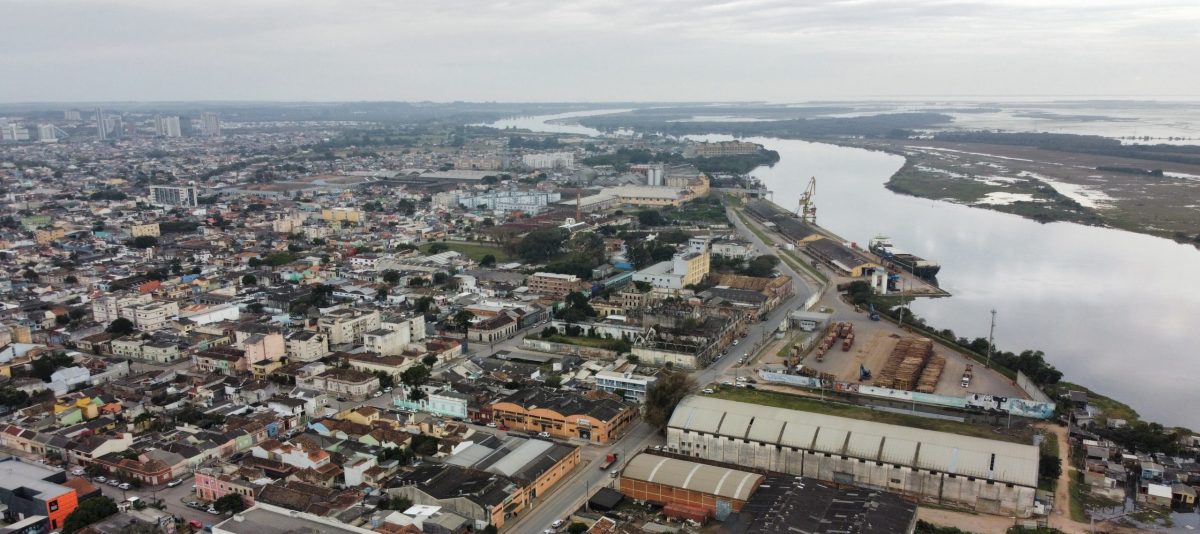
571, 50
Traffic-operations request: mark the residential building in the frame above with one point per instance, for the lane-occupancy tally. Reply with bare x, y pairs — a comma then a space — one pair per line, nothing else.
685, 268
307, 346
555, 285
171, 195
342, 382
549, 160
211, 122
629, 386
347, 325
492, 330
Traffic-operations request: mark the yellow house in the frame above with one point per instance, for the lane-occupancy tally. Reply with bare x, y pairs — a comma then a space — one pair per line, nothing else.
89, 406
363, 415
264, 368
148, 229
342, 215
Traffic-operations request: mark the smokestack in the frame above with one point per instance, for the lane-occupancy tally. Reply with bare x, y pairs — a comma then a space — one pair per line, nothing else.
578, 208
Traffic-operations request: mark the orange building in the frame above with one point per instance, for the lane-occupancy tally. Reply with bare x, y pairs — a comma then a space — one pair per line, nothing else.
665, 481
595, 416
29, 489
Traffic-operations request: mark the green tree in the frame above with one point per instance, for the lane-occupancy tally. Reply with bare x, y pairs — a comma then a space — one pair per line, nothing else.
462, 319
391, 277
440, 278
587, 246
249, 280
543, 244
231, 502
120, 326
423, 304
762, 266
651, 218
415, 376
438, 248
487, 260
577, 528
429, 360
664, 395
381, 294
145, 241
553, 381
88, 512
1049, 467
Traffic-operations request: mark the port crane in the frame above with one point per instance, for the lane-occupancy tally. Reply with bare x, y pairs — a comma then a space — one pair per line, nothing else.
807, 210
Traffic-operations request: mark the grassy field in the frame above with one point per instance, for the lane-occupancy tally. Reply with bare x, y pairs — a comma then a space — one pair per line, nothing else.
1112, 408
475, 251
706, 210
793, 402
617, 345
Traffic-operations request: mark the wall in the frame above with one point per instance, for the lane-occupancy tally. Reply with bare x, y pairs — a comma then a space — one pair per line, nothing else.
564, 348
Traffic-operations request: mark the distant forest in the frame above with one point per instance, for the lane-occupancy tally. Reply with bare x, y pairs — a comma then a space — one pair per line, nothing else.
881, 125
1088, 144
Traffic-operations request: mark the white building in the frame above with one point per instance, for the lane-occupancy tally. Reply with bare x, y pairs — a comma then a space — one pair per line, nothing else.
211, 122
549, 160
628, 385
47, 133
531, 202
168, 126
172, 195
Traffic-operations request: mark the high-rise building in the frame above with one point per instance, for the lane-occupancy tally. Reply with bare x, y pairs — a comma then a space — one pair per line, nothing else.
211, 123
72, 115
101, 127
172, 195
12, 132
47, 133
168, 126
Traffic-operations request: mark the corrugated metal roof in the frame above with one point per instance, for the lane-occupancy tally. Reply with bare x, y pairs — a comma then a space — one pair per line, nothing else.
710, 479
520, 456
913, 447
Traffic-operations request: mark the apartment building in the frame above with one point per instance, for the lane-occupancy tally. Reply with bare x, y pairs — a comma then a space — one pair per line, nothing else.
555, 285
307, 346
347, 325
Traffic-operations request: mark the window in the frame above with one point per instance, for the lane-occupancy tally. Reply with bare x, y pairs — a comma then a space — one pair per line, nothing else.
53, 506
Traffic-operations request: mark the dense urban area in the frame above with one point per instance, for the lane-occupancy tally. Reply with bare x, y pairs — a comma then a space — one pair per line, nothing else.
265, 321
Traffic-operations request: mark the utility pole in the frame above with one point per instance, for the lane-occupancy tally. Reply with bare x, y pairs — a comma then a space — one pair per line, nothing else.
991, 334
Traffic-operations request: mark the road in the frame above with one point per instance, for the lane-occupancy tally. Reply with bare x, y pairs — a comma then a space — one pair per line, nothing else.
571, 493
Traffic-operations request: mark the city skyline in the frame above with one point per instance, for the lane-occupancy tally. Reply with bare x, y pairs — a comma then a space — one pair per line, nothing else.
317, 50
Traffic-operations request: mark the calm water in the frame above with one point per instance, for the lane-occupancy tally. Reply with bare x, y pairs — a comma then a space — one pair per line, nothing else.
1113, 310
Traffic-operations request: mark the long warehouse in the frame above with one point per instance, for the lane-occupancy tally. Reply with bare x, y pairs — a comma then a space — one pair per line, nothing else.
985, 475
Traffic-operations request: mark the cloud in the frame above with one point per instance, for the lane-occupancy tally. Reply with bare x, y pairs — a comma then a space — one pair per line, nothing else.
524, 50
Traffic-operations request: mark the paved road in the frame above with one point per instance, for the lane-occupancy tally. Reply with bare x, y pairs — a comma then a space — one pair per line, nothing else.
571, 493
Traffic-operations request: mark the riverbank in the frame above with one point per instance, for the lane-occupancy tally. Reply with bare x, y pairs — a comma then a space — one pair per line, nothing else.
1049, 186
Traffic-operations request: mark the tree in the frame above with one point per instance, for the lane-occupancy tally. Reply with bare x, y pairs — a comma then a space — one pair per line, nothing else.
391, 277
120, 326
429, 360
587, 246
577, 528
438, 248
415, 376
70, 279
540, 245
423, 304
381, 294
553, 381
762, 266
231, 502
88, 512
249, 280
487, 260
491, 529
440, 278
664, 395
254, 263
1049, 467
651, 218
462, 319
145, 241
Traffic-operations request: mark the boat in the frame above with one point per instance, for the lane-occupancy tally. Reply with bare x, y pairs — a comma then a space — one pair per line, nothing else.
922, 268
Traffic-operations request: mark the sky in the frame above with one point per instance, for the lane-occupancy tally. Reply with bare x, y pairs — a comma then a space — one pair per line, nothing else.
587, 50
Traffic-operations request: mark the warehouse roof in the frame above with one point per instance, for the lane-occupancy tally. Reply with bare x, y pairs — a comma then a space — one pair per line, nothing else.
913, 447
710, 479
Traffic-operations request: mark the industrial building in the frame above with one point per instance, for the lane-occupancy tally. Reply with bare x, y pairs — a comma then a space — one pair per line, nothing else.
980, 474
785, 503
845, 259
717, 491
594, 416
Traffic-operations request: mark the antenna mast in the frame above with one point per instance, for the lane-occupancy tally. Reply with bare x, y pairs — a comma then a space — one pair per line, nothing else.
991, 333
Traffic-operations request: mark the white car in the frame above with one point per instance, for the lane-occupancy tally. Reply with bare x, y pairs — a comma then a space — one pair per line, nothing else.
174, 483
124, 485
707, 391
735, 342
557, 523
378, 394
100, 479
491, 424
543, 434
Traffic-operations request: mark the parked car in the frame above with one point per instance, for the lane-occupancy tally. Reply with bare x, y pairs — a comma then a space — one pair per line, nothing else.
124, 486
100, 479
558, 523
707, 391
387, 389
341, 399
735, 342
378, 394
543, 434
212, 511
491, 424
174, 483
195, 524
78, 471
114, 482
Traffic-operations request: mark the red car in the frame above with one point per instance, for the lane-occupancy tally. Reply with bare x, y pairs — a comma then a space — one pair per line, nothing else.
195, 524
502, 427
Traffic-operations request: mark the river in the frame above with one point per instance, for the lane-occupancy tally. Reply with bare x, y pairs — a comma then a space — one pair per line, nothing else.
1111, 309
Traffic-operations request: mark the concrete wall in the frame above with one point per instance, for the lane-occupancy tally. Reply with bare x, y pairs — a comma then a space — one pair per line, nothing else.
935, 487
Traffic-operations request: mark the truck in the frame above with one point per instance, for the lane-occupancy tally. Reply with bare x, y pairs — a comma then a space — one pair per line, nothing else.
609, 459
967, 375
